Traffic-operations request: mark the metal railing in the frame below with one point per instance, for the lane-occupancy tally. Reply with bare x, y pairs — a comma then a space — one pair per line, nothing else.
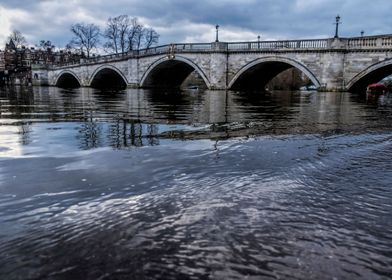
367, 42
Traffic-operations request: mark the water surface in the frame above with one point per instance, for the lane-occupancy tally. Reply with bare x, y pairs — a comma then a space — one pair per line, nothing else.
194, 185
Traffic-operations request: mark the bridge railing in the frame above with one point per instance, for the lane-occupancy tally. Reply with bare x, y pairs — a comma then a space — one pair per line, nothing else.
370, 42
278, 45
196, 47
103, 58
366, 42
150, 51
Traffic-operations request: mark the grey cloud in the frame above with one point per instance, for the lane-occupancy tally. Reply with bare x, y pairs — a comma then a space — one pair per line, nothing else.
273, 18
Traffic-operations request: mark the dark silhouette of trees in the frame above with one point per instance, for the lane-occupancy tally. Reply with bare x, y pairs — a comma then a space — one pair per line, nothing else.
17, 38
45, 45
122, 33
116, 32
134, 36
86, 37
126, 34
151, 37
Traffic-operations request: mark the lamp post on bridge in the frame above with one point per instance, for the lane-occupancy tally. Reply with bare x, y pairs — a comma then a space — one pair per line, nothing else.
217, 33
337, 26
362, 33
258, 41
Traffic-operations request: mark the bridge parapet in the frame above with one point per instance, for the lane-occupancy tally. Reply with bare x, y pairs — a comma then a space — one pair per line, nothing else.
279, 45
356, 43
375, 42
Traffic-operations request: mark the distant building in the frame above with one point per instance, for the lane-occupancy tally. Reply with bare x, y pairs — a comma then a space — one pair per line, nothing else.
2, 68
10, 56
2, 61
15, 62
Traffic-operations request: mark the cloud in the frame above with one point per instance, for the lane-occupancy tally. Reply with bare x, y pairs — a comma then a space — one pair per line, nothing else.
7, 17
194, 21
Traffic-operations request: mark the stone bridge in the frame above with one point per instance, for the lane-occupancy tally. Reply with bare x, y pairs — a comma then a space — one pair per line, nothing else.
336, 64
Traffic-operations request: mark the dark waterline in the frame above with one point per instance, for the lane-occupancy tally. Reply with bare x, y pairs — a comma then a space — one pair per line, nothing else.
141, 184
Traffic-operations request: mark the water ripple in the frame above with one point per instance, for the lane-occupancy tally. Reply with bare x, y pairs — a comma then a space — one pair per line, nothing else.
265, 189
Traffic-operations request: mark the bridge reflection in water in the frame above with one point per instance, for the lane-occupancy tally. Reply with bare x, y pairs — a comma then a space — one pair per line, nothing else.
137, 117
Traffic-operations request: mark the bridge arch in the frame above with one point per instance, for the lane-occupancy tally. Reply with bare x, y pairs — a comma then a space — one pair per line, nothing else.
372, 74
259, 72
67, 79
166, 72
107, 76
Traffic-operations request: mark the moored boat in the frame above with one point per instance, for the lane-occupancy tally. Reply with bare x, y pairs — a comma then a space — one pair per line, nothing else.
376, 89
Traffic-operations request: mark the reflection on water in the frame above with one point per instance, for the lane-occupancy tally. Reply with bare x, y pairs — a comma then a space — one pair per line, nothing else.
139, 117
189, 185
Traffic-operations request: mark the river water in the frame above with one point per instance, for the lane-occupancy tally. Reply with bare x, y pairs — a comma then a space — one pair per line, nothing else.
194, 185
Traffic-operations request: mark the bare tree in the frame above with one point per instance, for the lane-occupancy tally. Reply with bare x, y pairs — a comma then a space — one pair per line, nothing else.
18, 38
117, 33
111, 33
139, 38
127, 34
45, 45
123, 24
86, 37
135, 34
151, 37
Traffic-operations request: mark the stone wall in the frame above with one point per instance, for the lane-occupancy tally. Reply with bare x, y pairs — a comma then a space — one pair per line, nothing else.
329, 69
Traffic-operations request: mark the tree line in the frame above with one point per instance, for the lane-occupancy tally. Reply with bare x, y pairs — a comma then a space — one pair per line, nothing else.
121, 34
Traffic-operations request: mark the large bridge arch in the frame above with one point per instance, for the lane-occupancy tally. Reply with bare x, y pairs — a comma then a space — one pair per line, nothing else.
67, 79
107, 75
371, 74
172, 72
275, 64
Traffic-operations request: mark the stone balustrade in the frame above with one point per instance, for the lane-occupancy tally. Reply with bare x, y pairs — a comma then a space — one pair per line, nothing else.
355, 43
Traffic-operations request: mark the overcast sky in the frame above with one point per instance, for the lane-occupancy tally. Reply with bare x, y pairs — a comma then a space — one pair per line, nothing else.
195, 20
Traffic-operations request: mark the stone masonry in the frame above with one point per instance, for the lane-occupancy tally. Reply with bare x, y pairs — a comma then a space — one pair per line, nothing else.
331, 64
